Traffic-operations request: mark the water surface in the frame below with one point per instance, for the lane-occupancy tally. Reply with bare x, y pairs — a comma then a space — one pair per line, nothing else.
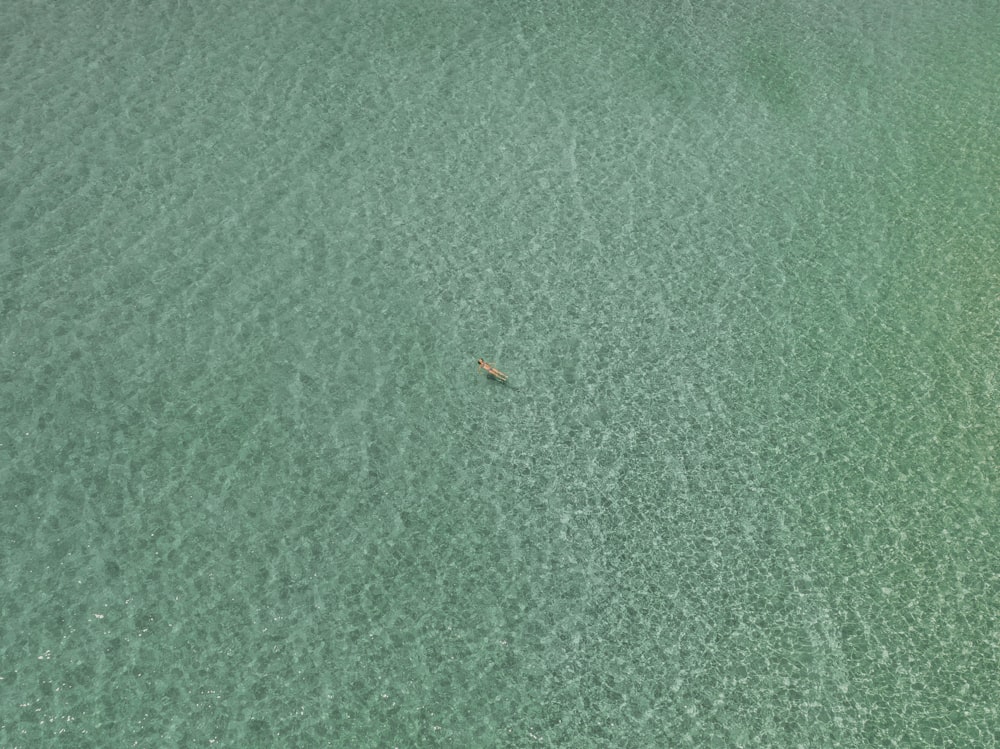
740, 263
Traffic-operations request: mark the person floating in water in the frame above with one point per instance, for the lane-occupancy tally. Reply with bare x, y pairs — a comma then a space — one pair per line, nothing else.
492, 372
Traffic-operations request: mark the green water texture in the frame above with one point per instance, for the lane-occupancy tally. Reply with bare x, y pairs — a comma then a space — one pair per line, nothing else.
740, 261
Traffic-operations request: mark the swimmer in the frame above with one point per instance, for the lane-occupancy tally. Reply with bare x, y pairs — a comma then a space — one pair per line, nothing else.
492, 372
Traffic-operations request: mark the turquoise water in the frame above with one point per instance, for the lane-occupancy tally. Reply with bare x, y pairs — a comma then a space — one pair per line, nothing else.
740, 261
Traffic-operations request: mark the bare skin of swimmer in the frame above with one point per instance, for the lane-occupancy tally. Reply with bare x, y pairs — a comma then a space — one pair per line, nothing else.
492, 372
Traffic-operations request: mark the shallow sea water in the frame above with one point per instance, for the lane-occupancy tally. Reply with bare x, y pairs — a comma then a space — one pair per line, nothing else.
740, 263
